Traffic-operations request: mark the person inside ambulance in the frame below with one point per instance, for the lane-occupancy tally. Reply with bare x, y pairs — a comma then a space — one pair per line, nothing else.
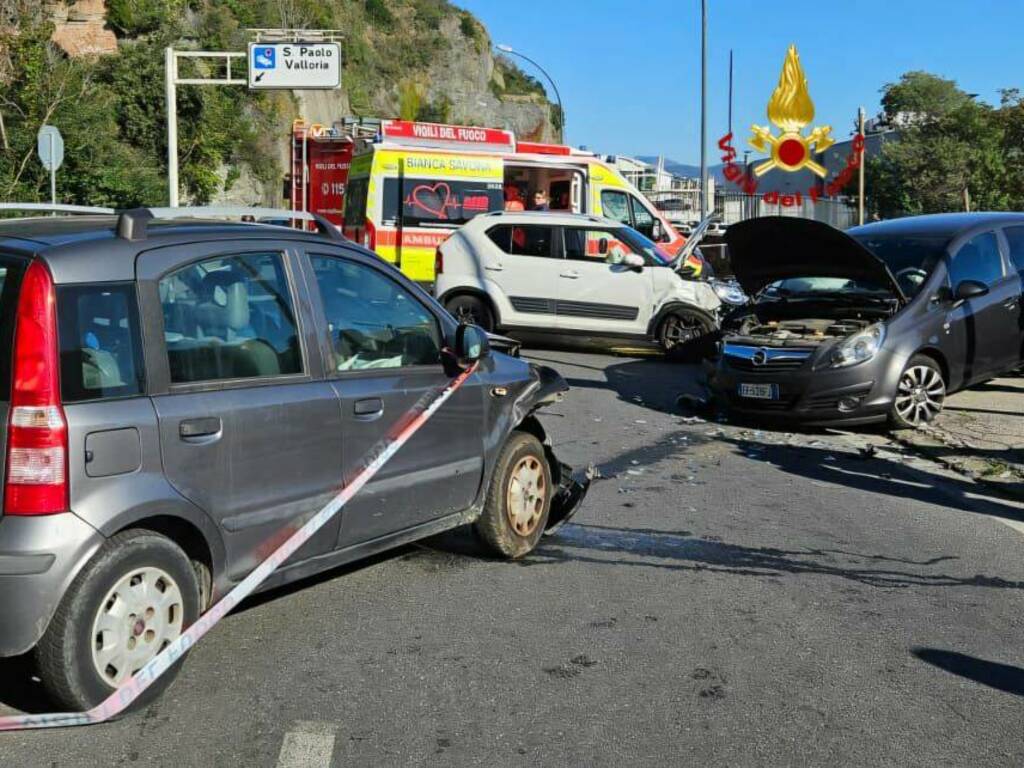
513, 199
540, 201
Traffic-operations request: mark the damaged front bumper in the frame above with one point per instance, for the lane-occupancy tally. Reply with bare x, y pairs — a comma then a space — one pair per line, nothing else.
572, 488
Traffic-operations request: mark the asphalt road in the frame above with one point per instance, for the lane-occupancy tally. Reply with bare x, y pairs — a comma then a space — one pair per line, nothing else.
728, 596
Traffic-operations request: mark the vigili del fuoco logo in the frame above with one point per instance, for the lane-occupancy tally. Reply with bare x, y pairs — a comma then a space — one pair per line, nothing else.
791, 110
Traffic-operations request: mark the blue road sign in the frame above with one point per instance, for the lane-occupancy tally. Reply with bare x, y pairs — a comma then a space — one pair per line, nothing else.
264, 58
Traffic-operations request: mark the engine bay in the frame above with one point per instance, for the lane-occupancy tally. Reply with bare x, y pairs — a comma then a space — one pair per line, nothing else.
777, 325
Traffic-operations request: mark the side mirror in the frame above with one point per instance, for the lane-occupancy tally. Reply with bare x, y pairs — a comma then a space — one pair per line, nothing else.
970, 289
633, 261
602, 246
471, 343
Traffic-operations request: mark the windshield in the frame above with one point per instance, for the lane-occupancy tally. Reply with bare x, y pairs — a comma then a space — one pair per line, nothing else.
910, 258
819, 287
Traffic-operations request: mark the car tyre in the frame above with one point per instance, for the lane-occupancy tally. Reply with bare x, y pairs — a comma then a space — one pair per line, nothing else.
519, 498
920, 394
471, 310
136, 595
685, 336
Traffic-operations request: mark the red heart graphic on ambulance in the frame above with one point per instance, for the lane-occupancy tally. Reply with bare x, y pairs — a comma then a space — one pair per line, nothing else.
432, 198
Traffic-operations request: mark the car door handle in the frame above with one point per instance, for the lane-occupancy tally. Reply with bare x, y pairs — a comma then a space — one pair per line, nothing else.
494, 267
203, 430
570, 275
368, 409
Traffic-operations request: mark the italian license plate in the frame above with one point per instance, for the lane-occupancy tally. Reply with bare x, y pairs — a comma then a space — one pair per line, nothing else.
760, 391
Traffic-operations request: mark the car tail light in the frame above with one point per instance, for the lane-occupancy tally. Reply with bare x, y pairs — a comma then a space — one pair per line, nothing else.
438, 262
37, 438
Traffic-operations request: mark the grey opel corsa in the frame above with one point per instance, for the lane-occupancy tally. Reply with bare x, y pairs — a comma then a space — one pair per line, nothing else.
177, 395
880, 322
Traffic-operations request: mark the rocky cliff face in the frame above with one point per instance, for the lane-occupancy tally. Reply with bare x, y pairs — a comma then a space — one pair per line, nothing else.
414, 59
80, 28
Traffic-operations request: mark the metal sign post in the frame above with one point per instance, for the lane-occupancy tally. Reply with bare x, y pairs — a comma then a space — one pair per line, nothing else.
171, 83
309, 59
50, 145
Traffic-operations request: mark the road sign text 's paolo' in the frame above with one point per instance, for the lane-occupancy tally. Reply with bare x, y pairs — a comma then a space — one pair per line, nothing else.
294, 65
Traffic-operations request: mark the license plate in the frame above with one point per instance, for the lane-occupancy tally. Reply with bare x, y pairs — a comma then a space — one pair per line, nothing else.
760, 391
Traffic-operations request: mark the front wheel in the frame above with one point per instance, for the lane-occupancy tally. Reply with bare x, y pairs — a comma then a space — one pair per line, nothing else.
471, 310
519, 498
920, 394
132, 600
684, 335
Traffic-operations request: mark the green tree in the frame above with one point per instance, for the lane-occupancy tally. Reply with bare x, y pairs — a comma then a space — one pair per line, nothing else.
950, 150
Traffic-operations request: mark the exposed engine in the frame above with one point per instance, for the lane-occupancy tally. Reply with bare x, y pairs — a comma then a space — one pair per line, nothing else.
766, 324
809, 330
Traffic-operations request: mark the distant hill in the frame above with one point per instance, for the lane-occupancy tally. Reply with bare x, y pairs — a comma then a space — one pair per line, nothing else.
683, 169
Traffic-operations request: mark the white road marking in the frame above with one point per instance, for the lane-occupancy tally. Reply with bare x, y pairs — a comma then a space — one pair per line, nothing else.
308, 745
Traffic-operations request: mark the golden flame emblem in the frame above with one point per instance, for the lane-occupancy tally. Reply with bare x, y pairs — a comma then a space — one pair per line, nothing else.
791, 109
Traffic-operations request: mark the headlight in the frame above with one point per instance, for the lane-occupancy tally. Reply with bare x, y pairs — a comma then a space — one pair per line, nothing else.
730, 293
857, 348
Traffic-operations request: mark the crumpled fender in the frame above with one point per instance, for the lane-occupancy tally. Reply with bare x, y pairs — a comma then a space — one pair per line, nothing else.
547, 386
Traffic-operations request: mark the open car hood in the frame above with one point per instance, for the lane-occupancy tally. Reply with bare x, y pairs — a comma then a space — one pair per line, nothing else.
772, 248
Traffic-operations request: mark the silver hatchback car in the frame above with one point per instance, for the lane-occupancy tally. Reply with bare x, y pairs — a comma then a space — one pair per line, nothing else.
180, 394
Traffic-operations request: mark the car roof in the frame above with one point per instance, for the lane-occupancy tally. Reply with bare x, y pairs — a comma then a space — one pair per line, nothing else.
88, 248
947, 225
549, 218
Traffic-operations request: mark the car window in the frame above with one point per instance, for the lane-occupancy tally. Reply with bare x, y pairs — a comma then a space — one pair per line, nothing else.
586, 245
528, 240
372, 321
421, 201
100, 351
643, 221
978, 259
1015, 236
230, 318
615, 205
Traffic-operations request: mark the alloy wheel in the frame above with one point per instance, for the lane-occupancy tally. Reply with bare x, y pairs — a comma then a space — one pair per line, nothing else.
920, 395
465, 314
526, 495
140, 616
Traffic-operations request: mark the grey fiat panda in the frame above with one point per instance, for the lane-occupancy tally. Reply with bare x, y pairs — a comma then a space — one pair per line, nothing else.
179, 394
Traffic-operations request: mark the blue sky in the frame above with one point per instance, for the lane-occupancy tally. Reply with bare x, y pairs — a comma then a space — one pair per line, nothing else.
629, 71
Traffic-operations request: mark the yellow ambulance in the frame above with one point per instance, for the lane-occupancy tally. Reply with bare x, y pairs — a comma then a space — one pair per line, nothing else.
415, 183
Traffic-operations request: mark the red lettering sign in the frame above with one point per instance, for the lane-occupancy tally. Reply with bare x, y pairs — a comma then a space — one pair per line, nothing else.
433, 134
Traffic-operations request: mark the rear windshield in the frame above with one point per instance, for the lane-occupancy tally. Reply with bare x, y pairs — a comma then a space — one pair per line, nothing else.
11, 272
100, 354
421, 201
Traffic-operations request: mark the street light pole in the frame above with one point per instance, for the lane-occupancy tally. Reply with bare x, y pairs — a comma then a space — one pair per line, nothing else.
704, 208
558, 97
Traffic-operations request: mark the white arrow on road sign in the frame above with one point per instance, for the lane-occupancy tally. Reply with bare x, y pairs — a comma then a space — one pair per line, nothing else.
50, 144
294, 65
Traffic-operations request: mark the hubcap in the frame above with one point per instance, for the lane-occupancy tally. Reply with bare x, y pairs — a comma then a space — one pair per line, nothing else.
920, 395
138, 618
680, 329
527, 492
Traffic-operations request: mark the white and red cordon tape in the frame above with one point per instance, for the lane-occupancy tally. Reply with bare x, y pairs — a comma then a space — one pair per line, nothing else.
120, 699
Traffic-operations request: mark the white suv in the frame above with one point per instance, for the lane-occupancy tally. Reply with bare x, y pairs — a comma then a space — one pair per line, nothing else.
571, 274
